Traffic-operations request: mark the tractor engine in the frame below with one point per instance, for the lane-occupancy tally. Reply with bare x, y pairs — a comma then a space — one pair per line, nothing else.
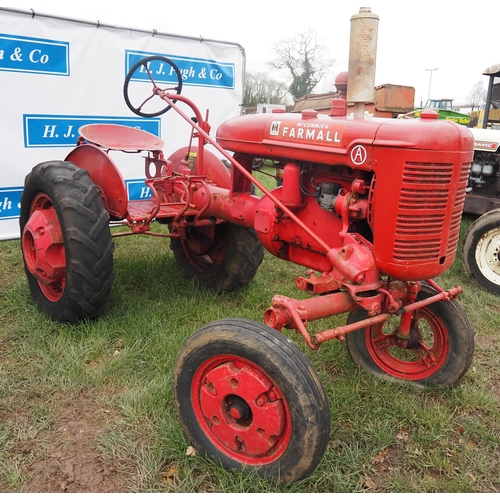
393, 188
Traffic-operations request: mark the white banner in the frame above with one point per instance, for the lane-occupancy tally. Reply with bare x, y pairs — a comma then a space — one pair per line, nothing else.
59, 74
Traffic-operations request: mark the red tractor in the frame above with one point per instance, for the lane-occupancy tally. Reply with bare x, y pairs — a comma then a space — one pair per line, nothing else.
371, 207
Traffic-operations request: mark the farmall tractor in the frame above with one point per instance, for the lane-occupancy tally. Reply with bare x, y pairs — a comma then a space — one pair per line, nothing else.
370, 207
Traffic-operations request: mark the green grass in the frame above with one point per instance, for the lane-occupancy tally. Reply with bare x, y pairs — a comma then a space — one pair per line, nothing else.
384, 437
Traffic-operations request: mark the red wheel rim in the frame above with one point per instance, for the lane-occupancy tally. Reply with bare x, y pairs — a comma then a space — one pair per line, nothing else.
241, 410
204, 252
43, 248
424, 358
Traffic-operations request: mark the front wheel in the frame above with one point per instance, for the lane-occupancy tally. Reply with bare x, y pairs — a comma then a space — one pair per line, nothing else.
66, 242
222, 257
248, 397
438, 353
481, 252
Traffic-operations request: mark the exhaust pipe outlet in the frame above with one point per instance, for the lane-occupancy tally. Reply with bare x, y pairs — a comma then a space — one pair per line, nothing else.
362, 60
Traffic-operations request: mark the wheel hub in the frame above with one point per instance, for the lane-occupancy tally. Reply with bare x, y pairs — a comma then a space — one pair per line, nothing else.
239, 410
243, 411
488, 255
43, 247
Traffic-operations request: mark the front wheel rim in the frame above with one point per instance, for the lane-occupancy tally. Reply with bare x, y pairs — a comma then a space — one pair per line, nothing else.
418, 362
487, 255
241, 410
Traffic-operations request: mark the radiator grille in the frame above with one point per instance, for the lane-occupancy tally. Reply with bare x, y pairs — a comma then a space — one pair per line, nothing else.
424, 202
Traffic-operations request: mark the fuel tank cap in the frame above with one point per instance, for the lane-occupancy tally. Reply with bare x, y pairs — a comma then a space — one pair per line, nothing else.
309, 113
429, 114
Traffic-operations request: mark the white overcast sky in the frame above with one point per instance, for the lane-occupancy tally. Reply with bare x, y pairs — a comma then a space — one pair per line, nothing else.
462, 39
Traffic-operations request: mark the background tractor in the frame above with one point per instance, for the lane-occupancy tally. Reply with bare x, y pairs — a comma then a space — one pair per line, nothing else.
445, 110
481, 250
370, 207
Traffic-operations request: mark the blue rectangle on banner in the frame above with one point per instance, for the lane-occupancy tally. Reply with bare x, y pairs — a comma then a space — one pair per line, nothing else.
33, 55
137, 189
194, 71
56, 131
10, 202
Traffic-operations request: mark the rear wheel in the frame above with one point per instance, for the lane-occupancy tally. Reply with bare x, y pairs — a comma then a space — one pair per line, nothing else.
248, 397
481, 252
66, 242
439, 351
223, 258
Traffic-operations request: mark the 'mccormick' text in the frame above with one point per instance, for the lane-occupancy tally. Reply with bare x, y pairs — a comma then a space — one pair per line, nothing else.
304, 131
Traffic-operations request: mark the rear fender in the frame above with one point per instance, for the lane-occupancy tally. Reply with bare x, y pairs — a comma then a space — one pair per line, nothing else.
213, 168
105, 175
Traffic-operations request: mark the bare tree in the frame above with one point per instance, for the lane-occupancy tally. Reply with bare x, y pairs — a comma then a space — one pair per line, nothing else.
304, 58
476, 95
260, 89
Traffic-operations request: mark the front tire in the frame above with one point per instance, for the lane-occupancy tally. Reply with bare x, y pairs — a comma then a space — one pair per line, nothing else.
440, 350
481, 252
66, 242
224, 261
248, 397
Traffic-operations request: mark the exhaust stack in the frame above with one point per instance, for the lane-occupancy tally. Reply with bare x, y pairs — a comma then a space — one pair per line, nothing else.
362, 60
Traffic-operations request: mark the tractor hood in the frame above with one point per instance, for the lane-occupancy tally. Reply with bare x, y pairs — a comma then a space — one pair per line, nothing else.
313, 137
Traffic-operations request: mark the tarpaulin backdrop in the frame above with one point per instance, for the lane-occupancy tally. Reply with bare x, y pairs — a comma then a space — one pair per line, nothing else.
58, 74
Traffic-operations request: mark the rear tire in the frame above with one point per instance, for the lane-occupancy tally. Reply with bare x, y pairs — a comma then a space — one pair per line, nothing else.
481, 252
66, 242
248, 397
441, 352
226, 262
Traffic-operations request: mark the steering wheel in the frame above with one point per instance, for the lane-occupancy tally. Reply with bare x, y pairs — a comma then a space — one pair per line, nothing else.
137, 73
